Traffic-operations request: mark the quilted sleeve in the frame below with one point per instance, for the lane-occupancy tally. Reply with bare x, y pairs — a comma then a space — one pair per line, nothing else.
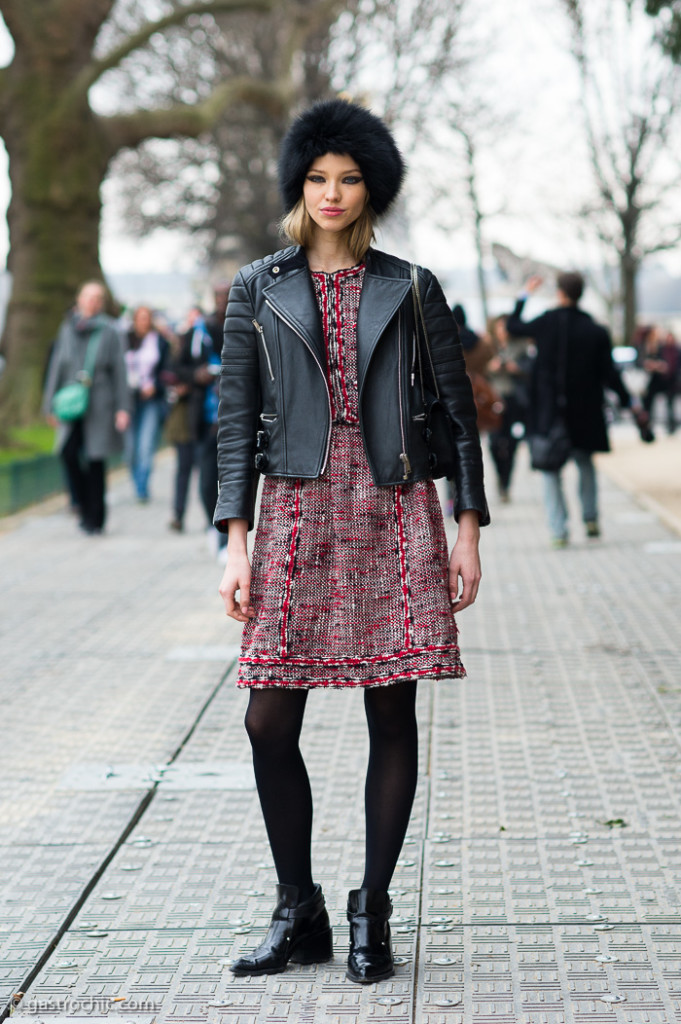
457, 394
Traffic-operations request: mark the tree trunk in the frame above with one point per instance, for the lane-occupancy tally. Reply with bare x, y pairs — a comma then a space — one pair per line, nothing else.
58, 158
628, 274
478, 218
482, 284
53, 223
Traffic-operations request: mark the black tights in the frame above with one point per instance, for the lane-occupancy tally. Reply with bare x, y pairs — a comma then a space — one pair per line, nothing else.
274, 720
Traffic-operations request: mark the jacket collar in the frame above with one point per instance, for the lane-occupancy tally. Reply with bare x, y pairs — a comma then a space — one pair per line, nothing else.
292, 295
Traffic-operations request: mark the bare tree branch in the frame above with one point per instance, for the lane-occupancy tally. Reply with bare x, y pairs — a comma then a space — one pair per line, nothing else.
129, 130
306, 20
663, 245
631, 99
93, 71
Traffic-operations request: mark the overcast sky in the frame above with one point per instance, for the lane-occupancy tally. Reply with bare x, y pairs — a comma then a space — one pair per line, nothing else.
538, 173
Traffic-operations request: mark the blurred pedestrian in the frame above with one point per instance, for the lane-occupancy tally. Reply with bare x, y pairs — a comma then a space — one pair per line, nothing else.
509, 372
89, 337
146, 357
478, 349
477, 352
659, 357
215, 321
71, 483
186, 379
471, 342
351, 584
573, 366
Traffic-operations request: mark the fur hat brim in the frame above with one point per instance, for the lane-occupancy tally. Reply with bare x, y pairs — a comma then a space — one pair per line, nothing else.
337, 126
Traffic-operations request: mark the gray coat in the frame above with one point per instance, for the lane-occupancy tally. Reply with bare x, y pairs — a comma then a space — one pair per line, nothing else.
109, 392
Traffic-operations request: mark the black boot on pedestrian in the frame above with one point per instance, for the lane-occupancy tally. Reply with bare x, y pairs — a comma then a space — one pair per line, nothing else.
371, 955
299, 932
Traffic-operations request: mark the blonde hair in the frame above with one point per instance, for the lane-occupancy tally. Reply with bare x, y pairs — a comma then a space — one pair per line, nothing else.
298, 227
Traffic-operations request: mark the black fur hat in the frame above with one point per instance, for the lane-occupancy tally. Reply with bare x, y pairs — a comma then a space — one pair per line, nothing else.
337, 126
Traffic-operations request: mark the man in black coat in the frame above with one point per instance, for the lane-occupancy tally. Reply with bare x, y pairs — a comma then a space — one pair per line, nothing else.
587, 368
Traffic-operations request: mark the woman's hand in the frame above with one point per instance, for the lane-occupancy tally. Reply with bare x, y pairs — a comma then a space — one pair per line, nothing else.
464, 562
237, 574
122, 420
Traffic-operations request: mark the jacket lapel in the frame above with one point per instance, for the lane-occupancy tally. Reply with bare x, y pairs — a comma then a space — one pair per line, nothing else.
293, 298
381, 298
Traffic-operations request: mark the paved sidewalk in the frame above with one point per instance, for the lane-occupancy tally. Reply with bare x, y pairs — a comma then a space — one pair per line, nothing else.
650, 471
541, 881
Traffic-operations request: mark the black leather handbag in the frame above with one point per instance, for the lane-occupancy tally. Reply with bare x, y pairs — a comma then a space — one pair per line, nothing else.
549, 452
438, 428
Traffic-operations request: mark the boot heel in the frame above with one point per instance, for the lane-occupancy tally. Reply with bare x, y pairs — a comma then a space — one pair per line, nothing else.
313, 949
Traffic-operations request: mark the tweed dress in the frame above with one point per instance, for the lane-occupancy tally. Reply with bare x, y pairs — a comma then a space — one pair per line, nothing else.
349, 580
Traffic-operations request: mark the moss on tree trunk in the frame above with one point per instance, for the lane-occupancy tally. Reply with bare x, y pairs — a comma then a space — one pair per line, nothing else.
54, 233
57, 161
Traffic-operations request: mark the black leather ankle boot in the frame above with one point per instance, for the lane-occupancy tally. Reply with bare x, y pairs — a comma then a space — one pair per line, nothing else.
299, 932
371, 955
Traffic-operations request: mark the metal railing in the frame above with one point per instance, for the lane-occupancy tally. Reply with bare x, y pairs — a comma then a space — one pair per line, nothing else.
26, 481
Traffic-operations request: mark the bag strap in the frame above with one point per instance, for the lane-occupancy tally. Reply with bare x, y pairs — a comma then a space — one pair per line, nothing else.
91, 354
420, 318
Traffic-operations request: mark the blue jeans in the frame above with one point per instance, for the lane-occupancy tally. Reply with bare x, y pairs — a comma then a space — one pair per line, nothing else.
554, 498
141, 440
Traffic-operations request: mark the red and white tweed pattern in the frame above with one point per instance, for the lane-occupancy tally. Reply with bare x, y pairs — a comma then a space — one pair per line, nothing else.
338, 296
349, 579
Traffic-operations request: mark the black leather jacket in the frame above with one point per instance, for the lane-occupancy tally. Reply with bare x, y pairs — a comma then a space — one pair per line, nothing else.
275, 410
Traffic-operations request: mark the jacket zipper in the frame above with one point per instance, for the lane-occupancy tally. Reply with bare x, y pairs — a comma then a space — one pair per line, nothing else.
261, 331
321, 370
404, 457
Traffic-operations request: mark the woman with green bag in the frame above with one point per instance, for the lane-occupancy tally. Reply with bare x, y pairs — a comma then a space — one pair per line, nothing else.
88, 351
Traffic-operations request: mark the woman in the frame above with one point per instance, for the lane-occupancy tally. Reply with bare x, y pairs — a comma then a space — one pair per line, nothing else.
350, 584
509, 370
145, 359
88, 347
659, 357
188, 378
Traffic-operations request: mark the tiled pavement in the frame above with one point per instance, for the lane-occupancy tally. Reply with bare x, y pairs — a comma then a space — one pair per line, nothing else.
541, 879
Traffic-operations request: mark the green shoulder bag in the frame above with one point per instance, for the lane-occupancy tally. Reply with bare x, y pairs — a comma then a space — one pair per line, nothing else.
71, 401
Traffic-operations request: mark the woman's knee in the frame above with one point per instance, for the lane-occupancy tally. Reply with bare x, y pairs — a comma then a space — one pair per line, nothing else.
273, 726
391, 710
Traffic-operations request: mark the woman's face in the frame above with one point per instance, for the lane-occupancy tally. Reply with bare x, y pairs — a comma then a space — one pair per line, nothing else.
142, 321
500, 332
334, 192
90, 299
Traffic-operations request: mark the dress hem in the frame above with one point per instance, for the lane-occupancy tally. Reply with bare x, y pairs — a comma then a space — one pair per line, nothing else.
410, 652
358, 684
